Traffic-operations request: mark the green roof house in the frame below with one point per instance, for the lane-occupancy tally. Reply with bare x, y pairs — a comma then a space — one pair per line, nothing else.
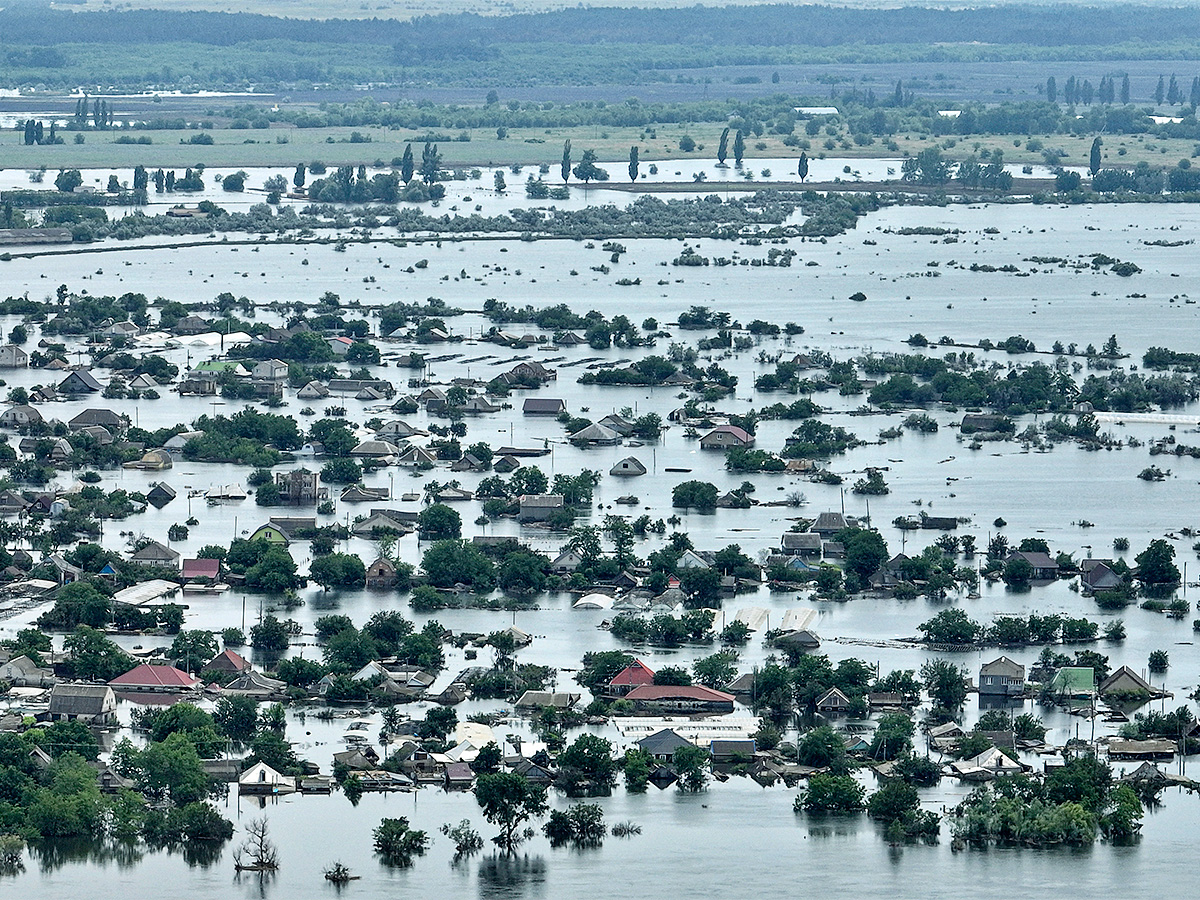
1074, 682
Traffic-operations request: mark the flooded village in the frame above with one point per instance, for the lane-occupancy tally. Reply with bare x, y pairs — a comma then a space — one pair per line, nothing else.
501, 529
565, 571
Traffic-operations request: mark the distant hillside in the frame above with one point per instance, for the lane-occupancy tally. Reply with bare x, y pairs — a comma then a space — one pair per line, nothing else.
762, 26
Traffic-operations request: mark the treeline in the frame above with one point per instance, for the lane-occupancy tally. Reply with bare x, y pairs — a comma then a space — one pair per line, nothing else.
572, 46
471, 36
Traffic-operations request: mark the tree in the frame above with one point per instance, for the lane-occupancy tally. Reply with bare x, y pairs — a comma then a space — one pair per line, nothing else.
717, 670
94, 657
723, 147
431, 163
439, 522
702, 585
407, 165
739, 149
1094, 159
587, 759
1065, 181
1155, 567
893, 802
489, 759
866, 551
523, 573
258, 852
581, 825
1017, 572
1160, 92
802, 166
565, 167
946, 684
274, 573
700, 495
437, 724
172, 769
61, 738
831, 794
237, 717
822, 748
508, 801
68, 180
338, 570
587, 170
691, 765
600, 667
950, 626
397, 844
633, 163
927, 167
1051, 89
191, 650
893, 737
1125, 89
451, 562
636, 766
270, 636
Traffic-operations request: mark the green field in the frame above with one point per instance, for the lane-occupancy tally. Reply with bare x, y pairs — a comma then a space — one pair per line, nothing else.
262, 147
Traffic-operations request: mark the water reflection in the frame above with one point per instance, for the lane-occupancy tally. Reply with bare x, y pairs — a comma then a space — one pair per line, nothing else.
202, 854
54, 855
504, 875
256, 883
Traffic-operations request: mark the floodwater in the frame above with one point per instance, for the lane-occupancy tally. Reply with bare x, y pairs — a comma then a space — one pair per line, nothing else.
737, 829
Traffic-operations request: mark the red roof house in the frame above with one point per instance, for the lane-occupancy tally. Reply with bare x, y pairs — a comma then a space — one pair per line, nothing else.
633, 675
228, 661
664, 698
725, 436
197, 569
155, 678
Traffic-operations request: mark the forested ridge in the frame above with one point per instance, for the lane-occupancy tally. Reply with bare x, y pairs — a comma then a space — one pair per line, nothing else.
776, 25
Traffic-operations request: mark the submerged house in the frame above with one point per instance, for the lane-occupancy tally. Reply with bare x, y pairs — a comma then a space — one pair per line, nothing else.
1074, 683
1002, 678
662, 744
685, 699
155, 553
91, 704
1043, 565
835, 702
725, 436
629, 467
155, 679
634, 675
539, 507
262, 779
1128, 682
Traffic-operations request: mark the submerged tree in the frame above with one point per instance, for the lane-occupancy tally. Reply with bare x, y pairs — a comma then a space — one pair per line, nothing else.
509, 801
258, 852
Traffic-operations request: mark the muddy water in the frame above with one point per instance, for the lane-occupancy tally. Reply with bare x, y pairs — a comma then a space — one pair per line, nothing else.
752, 829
